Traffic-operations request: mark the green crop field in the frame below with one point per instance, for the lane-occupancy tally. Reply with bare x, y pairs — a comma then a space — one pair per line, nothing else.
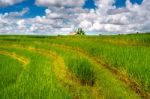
75, 67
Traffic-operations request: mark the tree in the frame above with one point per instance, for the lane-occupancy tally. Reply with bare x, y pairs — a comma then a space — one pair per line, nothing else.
80, 31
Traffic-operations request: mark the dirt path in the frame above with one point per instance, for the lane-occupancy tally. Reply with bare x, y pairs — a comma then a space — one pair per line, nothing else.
123, 77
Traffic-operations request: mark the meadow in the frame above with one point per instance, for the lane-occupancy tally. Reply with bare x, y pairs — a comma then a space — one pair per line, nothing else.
75, 67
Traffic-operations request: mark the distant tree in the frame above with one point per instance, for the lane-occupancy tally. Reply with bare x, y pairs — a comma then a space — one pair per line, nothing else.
58, 35
80, 31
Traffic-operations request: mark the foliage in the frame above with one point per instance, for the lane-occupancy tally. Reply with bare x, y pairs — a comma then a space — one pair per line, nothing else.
80, 31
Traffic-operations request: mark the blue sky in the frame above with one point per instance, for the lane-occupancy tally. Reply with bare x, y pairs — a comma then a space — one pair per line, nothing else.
33, 9
52, 17
40, 10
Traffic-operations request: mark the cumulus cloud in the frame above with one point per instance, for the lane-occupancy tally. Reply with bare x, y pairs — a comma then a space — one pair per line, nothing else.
59, 3
62, 19
9, 2
16, 14
105, 18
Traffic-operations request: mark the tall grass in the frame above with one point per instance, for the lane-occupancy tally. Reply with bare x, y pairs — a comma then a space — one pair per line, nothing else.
37, 81
133, 60
82, 69
131, 57
8, 72
106, 84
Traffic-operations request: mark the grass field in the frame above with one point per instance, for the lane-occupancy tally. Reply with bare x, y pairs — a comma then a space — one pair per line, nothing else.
75, 67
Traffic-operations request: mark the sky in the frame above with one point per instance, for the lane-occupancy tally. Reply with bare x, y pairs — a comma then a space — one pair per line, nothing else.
53, 17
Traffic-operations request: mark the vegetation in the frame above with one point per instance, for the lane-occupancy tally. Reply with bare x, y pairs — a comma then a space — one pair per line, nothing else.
82, 69
75, 67
80, 31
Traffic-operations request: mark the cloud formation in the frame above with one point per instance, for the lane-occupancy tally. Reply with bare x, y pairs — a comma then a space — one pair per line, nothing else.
63, 17
16, 14
60, 3
9, 2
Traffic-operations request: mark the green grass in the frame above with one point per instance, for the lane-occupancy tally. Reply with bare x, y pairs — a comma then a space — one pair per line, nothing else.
104, 81
11, 65
82, 69
97, 76
36, 81
130, 54
134, 60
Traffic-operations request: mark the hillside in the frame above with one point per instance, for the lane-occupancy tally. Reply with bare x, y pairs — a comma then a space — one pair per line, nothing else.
75, 67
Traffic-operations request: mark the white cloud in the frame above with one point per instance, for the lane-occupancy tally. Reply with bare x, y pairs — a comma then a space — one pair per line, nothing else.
21, 24
85, 24
16, 14
59, 3
60, 19
97, 26
9, 2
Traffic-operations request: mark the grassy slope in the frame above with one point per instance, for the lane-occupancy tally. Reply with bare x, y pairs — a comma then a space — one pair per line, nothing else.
119, 54
36, 81
131, 59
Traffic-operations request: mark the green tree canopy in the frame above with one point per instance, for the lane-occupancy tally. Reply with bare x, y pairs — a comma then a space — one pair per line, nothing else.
80, 31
